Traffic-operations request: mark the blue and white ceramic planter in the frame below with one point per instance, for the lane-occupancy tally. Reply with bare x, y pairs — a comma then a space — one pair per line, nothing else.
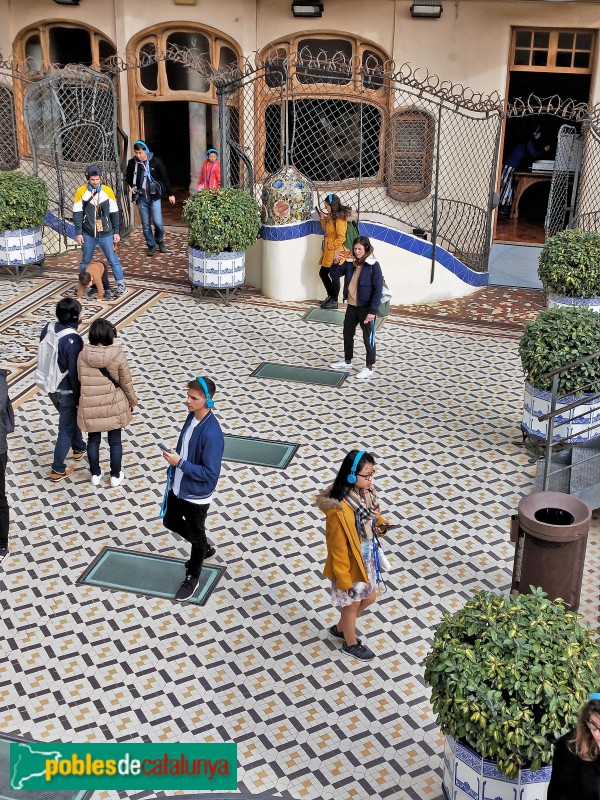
556, 301
536, 403
21, 247
469, 776
219, 271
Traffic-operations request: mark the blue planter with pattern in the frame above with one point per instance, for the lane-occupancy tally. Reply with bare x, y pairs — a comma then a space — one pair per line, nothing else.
22, 247
537, 402
469, 776
217, 271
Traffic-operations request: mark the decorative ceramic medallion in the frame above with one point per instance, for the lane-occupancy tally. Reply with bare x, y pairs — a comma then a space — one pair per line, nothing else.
287, 196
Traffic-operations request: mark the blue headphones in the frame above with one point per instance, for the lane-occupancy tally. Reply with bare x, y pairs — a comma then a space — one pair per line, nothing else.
143, 144
329, 197
210, 403
352, 477
595, 696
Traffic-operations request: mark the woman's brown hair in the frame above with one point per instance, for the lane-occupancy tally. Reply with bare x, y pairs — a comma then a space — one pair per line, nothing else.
583, 743
338, 211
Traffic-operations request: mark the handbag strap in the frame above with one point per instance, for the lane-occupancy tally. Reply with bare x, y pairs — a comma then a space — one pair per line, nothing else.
107, 374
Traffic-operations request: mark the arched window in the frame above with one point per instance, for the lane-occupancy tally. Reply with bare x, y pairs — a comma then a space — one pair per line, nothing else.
323, 99
58, 43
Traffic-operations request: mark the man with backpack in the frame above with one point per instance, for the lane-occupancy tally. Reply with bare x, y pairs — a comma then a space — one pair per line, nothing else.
56, 373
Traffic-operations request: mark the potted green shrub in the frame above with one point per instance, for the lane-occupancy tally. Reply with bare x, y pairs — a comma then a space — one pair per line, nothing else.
555, 338
23, 206
223, 224
508, 674
569, 268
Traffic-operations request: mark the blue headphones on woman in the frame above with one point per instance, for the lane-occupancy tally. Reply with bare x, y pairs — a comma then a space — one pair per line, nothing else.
352, 477
210, 403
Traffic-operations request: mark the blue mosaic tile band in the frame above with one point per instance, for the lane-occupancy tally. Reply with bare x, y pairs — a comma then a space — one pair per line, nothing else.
59, 225
374, 230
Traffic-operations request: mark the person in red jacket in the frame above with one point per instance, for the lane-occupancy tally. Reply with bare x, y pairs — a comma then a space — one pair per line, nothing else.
210, 174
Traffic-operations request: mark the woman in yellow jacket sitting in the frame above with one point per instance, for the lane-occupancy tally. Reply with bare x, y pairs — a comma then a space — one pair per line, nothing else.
352, 512
334, 221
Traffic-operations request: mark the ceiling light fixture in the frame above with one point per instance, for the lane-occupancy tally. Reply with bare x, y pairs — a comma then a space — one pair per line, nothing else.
426, 8
302, 8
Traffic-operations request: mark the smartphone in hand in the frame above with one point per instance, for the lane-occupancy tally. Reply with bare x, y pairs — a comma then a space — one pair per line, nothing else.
164, 447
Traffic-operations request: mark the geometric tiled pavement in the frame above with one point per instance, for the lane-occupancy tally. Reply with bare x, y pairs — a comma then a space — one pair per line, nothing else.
255, 665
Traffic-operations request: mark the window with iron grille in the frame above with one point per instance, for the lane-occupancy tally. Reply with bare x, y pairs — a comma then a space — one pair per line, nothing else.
329, 140
9, 151
411, 158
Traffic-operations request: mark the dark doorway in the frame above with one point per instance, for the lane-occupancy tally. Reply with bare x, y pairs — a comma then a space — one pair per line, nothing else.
528, 227
167, 132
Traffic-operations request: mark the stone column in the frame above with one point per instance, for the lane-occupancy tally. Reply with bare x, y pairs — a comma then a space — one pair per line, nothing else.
197, 141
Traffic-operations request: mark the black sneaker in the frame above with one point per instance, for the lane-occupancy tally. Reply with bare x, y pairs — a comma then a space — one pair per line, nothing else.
3, 553
210, 551
162, 247
333, 631
330, 304
358, 650
186, 590
323, 302
151, 250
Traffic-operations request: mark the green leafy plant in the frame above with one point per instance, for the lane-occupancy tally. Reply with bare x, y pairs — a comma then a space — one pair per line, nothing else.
556, 338
225, 220
23, 201
508, 674
570, 264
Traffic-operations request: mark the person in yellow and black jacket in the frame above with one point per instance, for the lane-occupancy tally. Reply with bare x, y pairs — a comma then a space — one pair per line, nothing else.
97, 222
334, 221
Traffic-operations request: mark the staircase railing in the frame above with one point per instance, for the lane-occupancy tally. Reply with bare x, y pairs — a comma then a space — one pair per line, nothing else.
591, 400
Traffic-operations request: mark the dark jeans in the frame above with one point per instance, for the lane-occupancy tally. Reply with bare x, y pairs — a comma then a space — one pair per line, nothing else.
116, 452
151, 212
355, 315
188, 520
3, 502
69, 435
332, 286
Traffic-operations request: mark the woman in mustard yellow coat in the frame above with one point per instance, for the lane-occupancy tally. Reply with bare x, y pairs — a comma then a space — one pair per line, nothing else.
352, 511
334, 221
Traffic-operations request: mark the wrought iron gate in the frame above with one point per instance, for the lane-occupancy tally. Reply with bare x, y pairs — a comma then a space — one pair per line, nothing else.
395, 144
70, 121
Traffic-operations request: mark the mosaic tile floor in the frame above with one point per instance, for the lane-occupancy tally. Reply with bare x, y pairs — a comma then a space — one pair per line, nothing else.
255, 664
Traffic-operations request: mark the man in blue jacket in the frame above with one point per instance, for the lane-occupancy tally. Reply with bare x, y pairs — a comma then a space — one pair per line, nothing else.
66, 397
194, 469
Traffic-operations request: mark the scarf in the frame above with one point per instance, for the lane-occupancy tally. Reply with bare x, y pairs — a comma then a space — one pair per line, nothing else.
143, 184
365, 505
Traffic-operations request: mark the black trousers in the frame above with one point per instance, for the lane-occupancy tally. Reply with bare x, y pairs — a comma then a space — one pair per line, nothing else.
355, 315
188, 520
332, 286
4, 519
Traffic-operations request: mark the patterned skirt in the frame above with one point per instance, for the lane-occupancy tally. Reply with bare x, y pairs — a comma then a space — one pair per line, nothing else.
340, 598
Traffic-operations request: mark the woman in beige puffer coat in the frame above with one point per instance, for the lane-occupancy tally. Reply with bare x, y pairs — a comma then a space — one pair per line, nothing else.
107, 397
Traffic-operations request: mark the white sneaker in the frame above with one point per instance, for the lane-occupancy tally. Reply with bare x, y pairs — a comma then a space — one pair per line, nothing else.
116, 481
365, 374
96, 479
341, 366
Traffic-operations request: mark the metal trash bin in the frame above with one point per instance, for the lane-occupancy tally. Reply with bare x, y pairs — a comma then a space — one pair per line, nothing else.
550, 532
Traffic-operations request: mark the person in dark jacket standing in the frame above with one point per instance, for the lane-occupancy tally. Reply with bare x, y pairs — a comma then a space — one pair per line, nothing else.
194, 469
576, 762
363, 285
7, 425
66, 397
97, 222
147, 176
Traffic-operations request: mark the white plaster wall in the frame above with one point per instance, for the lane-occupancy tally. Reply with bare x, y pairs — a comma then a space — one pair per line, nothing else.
290, 272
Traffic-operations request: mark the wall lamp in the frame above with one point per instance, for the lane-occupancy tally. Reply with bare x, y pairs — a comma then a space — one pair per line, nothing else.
303, 8
67, 2
426, 8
